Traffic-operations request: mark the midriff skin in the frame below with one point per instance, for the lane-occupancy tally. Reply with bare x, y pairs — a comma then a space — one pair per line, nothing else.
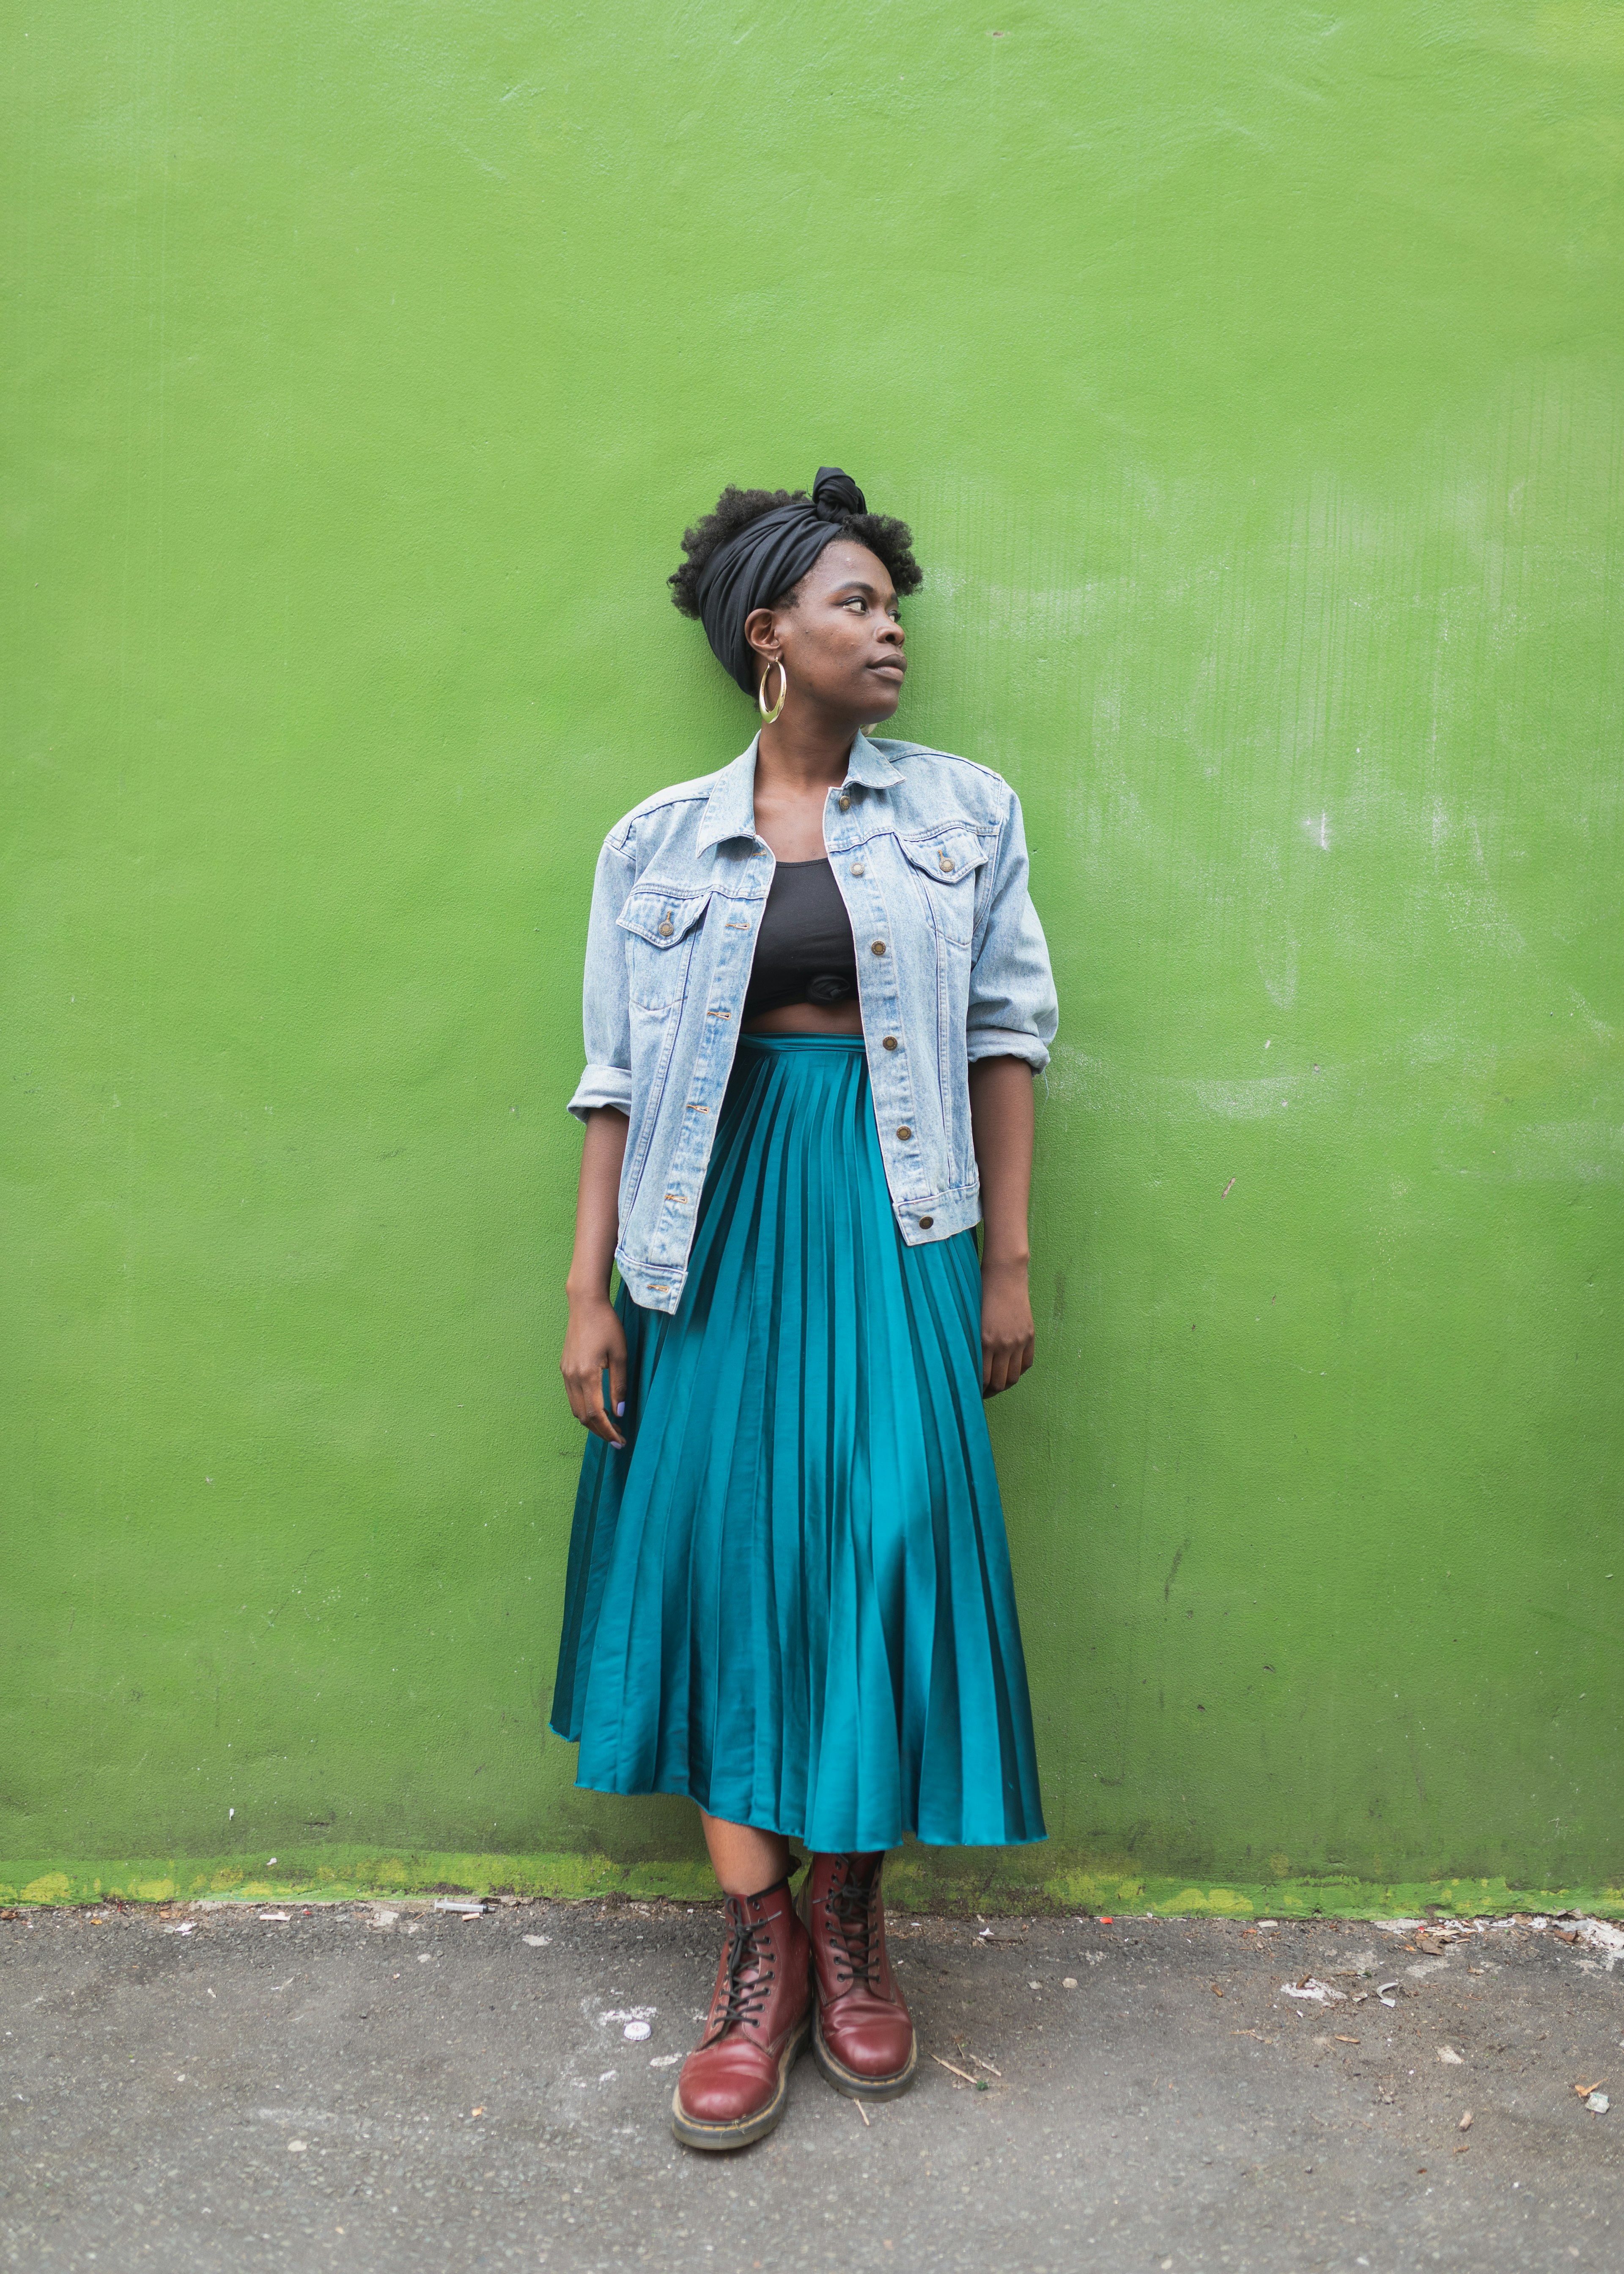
806, 1019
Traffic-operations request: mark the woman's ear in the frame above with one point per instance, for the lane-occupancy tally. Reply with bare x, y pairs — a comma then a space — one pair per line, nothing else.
760, 629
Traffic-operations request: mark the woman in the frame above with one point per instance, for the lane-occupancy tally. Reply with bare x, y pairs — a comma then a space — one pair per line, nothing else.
816, 994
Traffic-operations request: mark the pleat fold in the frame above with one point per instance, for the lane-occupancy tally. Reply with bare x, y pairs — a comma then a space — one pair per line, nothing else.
790, 1596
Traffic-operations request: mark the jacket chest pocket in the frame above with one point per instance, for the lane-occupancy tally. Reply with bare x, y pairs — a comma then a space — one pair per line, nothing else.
943, 867
659, 927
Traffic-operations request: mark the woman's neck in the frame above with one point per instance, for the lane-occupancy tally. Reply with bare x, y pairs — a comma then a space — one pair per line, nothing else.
804, 753
794, 773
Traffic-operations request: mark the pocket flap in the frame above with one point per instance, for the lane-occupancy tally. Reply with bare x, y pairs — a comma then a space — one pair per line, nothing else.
947, 856
660, 918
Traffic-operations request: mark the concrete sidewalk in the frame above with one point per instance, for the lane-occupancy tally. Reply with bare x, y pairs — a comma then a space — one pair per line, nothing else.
384, 2087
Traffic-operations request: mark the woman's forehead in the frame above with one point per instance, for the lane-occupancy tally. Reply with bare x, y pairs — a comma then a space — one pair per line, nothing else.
847, 562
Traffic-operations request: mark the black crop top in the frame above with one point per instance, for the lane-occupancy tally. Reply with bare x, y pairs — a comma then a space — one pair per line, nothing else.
804, 951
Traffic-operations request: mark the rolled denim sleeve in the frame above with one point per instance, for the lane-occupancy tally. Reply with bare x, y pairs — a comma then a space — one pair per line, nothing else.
605, 1012
1013, 1010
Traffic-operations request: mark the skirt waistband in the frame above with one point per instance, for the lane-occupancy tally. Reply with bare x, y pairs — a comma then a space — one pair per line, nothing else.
804, 1042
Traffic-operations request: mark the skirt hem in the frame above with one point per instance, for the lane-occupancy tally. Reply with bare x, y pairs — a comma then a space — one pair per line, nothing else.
855, 1847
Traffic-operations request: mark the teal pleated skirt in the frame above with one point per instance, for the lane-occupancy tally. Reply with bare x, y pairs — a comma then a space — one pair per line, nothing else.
789, 1597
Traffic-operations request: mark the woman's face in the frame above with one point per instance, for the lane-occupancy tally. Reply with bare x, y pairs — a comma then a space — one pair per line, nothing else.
839, 638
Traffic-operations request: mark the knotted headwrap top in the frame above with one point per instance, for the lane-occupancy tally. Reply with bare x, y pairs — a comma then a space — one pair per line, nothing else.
759, 566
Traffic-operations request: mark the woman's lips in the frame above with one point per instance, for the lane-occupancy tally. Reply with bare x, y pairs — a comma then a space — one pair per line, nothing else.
892, 667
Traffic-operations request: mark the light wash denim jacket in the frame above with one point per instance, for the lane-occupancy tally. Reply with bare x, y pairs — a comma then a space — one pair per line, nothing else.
930, 858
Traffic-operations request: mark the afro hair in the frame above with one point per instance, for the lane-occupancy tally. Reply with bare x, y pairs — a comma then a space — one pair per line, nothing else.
892, 540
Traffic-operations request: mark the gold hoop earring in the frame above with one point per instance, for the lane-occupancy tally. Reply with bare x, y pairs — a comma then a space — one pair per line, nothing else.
761, 693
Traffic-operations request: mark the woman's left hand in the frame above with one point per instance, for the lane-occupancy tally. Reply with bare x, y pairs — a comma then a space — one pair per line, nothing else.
1008, 1336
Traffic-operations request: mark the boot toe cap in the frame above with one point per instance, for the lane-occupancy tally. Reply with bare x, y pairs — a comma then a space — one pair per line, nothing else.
878, 2045
724, 2091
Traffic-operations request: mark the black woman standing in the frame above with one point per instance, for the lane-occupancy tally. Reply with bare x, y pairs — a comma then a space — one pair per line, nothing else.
816, 995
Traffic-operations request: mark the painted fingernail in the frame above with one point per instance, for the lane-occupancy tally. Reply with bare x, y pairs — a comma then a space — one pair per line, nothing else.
620, 1408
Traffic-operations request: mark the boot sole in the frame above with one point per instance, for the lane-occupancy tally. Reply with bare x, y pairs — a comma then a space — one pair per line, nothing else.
739, 2134
847, 2080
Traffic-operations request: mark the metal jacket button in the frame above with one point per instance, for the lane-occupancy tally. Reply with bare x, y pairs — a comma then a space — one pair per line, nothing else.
857, 867
879, 947
904, 1132
889, 1042
846, 804
926, 1222
946, 860
665, 929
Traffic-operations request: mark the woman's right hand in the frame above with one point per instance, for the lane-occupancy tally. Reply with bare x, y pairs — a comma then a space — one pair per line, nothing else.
595, 1339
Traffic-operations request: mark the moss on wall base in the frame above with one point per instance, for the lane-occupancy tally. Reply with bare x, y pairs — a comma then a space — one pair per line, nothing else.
917, 1880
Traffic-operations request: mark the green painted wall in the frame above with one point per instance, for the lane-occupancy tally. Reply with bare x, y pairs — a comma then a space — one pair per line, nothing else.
1250, 376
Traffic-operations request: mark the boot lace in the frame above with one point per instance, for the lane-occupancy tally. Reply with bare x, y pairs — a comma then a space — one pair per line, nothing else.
750, 1948
851, 1907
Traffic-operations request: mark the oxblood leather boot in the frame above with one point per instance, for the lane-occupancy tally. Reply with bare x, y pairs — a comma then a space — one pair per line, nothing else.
862, 2038
732, 2086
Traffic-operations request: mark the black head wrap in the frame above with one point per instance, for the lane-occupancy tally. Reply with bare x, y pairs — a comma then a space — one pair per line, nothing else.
767, 557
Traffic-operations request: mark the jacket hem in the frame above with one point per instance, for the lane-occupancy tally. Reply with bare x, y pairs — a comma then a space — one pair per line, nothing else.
939, 1215
648, 1286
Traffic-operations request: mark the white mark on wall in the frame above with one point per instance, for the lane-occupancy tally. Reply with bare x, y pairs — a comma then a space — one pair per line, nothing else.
1273, 938
1077, 1079
1242, 1100
1552, 1152
1275, 956
1463, 891
1598, 1027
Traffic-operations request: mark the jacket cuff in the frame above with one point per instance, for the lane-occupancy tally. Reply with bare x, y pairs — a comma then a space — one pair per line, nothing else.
1006, 1043
603, 1085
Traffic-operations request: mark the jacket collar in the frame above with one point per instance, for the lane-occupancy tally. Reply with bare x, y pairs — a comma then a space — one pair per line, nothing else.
729, 809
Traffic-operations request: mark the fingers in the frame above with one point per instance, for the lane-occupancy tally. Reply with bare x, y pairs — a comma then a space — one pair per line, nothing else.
602, 1419
1003, 1364
601, 1426
586, 1403
1008, 1331
585, 1389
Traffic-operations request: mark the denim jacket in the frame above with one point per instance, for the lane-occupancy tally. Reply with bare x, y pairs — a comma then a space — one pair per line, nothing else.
930, 858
